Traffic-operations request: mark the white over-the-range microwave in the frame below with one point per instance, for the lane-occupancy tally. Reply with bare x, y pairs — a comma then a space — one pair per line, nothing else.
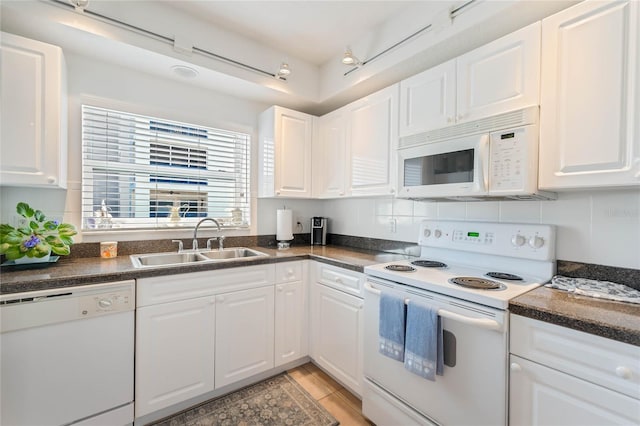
492, 158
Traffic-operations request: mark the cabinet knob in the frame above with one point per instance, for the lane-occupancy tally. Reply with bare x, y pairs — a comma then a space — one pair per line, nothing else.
277, 192
290, 272
341, 194
515, 367
624, 372
220, 299
392, 190
51, 179
460, 116
449, 119
338, 280
280, 288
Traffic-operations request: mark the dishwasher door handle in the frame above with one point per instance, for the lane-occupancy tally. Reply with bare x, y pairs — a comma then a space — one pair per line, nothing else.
485, 323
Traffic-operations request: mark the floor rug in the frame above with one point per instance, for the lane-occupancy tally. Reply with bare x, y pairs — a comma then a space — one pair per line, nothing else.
275, 401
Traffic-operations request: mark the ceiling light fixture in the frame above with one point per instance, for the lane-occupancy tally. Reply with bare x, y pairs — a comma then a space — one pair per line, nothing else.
283, 72
79, 5
184, 71
349, 59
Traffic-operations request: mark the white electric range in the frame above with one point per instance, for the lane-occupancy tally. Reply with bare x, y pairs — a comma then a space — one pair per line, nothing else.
468, 272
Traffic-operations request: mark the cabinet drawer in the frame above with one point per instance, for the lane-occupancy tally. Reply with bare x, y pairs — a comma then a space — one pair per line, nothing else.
607, 362
169, 288
342, 279
287, 272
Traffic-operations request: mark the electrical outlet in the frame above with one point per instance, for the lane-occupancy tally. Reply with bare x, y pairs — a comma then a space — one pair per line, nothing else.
392, 226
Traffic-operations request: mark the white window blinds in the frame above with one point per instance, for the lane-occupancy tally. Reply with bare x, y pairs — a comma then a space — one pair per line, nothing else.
145, 172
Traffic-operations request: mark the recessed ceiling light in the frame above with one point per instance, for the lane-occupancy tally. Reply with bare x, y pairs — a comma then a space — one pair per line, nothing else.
184, 71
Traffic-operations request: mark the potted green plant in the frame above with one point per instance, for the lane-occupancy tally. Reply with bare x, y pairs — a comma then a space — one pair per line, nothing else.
37, 239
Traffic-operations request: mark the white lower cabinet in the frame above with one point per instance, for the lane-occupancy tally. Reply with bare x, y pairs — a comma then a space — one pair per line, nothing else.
543, 396
244, 334
199, 332
337, 332
291, 336
174, 353
560, 376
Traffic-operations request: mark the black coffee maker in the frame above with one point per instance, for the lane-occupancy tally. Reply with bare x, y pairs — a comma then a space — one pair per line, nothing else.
319, 231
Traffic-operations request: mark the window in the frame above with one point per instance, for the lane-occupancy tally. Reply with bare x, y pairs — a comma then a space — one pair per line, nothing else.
143, 172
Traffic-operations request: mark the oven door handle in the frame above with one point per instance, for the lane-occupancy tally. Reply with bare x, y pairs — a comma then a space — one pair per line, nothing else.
485, 323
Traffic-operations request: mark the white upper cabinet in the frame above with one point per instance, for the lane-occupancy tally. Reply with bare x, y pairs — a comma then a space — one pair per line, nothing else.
428, 99
33, 147
590, 97
355, 152
498, 77
372, 132
330, 156
284, 157
501, 76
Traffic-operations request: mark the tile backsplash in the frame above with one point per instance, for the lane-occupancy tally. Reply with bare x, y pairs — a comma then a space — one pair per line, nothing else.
595, 227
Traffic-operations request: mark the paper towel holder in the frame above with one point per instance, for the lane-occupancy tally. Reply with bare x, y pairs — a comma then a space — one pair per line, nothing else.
284, 232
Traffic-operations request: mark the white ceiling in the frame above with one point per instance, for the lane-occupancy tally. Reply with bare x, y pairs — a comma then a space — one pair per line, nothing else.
314, 31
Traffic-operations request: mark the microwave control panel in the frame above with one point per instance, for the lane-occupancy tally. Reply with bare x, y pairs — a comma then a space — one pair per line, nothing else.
510, 159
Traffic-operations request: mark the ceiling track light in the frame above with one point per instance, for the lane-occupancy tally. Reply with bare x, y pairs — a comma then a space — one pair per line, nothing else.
349, 59
79, 5
283, 72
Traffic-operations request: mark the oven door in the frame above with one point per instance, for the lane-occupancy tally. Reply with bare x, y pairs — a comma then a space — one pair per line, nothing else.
452, 168
473, 387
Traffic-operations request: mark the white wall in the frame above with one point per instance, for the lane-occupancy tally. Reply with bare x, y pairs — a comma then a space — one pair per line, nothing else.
601, 227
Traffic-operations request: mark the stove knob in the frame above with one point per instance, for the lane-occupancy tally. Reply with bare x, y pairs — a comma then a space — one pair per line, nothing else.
437, 233
518, 240
536, 242
426, 233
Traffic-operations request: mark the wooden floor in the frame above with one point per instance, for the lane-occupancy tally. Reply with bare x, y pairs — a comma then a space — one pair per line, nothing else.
341, 403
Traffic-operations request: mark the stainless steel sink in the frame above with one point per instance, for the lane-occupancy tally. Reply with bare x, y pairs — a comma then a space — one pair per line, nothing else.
164, 259
231, 253
174, 259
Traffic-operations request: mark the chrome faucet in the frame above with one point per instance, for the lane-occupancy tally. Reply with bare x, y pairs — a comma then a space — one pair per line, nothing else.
195, 231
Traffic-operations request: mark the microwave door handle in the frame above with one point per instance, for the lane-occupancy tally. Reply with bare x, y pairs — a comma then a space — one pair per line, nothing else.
485, 323
483, 163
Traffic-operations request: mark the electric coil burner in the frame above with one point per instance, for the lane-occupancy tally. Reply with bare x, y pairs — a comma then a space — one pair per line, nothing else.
504, 276
400, 268
429, 264
477, 283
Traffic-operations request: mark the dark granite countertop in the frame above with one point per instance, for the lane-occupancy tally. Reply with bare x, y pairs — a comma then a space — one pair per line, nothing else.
69, 272
614, 320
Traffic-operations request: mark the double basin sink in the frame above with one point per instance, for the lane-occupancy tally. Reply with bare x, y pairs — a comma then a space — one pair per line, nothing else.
155, 260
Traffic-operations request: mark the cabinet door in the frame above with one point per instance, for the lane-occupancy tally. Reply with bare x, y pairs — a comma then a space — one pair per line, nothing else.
290, 323
337, 335
244, 334
294, 132
174, 353
501, 76
330, 156
34, 114
589, 127
373, 134
539, 395
428, 100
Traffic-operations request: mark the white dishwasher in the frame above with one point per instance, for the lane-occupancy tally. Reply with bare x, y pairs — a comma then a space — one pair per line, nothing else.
67, 356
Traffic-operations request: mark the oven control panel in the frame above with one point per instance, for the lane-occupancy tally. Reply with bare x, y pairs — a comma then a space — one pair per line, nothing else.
529, 241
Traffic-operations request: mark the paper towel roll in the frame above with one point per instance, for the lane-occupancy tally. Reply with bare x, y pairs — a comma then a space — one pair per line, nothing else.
284, 225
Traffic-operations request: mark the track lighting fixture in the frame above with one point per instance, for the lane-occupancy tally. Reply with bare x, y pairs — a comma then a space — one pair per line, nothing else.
349, 59
284, 71
80, 5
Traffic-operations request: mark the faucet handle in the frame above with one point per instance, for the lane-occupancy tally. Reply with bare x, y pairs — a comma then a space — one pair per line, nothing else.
221, 242
209, 243
180, 246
